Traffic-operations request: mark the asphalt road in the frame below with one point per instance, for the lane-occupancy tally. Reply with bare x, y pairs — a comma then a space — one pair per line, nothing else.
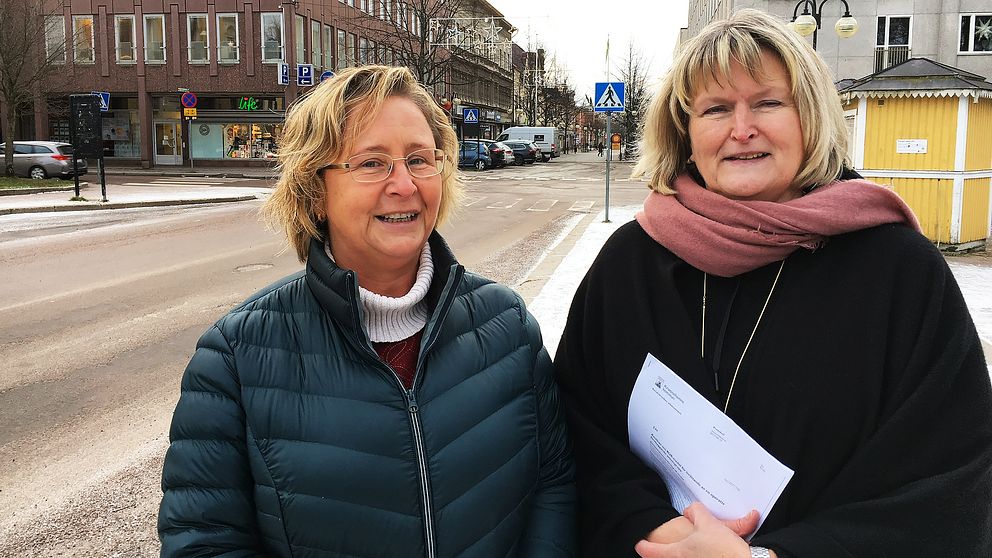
101, 311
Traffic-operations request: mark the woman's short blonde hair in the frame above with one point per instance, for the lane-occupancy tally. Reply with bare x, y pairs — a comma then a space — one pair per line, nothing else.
665, 146
323, 124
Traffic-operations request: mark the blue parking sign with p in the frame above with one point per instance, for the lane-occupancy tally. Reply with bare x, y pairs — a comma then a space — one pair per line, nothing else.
304, 74
283, 73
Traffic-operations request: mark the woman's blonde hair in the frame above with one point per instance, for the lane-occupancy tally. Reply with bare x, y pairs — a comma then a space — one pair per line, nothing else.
665, 146
327, 121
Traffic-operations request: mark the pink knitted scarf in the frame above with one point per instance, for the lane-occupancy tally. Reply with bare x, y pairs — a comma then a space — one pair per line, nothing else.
728, 237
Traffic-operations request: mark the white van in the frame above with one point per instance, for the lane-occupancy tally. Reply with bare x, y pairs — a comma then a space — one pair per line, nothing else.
545, 137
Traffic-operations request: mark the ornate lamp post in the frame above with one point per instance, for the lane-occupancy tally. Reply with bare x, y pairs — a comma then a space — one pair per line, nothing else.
808, 23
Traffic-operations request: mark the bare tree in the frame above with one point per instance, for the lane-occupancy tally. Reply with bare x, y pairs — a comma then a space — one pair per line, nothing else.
30, 45
633, 72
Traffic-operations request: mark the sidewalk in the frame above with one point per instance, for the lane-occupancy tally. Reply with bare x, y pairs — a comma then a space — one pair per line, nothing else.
124, 197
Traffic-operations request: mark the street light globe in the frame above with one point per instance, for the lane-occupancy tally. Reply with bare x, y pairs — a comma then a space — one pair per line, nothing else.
805, 25
846, 26
791, 26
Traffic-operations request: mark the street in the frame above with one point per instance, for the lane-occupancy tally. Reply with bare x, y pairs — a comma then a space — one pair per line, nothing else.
102, 310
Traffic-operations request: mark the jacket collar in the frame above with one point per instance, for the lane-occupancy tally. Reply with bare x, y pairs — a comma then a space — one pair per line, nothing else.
336, 289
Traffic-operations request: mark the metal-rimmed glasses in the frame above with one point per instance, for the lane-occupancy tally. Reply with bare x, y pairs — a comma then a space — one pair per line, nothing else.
373, 167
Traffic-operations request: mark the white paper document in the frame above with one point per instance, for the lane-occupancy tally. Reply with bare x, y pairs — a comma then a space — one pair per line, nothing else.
702, 455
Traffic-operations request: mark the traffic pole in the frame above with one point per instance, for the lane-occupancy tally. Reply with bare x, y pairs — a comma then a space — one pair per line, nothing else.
609, 157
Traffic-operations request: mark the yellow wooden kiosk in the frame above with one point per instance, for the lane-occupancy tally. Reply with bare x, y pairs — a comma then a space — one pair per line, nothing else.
925, 129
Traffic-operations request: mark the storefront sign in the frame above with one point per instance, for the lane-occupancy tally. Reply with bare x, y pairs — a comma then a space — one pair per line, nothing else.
204, 130
247, 103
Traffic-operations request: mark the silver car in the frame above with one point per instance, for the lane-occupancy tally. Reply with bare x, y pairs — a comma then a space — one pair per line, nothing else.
42, 159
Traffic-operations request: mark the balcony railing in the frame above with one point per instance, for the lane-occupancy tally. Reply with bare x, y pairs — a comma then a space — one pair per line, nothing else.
886, 57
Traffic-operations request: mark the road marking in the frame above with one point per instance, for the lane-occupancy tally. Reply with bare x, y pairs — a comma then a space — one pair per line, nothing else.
171, 183
542, 205
582, 206
500, 205
474, 200
569, 179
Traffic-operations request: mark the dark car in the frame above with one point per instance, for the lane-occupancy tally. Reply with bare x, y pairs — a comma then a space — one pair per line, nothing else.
524, 151
42, 159
497, 152
472, 154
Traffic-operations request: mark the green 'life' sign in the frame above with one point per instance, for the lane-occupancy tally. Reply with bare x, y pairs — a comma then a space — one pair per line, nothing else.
247, 103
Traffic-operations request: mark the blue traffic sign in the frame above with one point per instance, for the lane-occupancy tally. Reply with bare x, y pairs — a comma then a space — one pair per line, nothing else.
304, 74
470, 115
283, 74
104, 99
326, 75
188, 99
609, 96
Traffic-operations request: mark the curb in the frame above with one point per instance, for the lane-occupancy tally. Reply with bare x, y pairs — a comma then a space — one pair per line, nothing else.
121, 205
26, 191
192, 174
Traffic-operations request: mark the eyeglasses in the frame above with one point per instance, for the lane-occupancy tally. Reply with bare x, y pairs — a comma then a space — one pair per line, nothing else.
373, 167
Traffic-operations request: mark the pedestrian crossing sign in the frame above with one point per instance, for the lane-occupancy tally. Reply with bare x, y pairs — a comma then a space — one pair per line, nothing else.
470, 115
609, 96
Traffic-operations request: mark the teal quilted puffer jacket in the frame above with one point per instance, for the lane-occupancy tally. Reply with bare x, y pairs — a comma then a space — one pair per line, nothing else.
292, 438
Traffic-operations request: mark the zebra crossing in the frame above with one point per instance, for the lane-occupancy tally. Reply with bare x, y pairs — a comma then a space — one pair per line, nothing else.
185, 181
541, 205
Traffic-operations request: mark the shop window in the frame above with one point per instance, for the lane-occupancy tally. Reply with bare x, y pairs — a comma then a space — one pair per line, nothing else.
55, 39
82, 39
272, 37
196, 25
300, 39
154, 38
120, 134
250, 141
315, 44
228, 44
124, 39
976, 33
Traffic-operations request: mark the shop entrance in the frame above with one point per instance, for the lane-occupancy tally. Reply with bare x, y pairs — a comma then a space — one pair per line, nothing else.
168, 143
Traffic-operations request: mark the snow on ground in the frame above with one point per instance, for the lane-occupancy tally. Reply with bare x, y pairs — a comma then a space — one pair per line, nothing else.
976, 285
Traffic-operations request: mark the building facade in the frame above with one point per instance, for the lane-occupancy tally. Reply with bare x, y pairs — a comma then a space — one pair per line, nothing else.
232, 56
953, 32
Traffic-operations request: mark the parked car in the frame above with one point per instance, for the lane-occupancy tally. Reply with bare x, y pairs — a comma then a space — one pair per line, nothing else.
499, 153
474, 154
524, 151
43, 159
545, 137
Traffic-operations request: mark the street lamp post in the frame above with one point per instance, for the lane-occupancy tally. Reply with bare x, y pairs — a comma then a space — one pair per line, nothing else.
808, 23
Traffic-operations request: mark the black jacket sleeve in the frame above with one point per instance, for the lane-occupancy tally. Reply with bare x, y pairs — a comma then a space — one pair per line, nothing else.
620, 499
920, 483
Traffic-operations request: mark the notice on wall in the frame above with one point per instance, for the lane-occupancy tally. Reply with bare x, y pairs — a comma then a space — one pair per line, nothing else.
911, 146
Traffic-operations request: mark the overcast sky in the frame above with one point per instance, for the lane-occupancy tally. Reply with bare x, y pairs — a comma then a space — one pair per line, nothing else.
576, 31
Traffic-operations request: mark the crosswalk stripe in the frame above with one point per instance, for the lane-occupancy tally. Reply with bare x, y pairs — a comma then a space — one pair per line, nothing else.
501, 205
542, 205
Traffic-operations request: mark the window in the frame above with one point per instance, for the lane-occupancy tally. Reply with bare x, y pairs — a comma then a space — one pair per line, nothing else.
342, 58
300, 38
55, 39
196, 25
892, 45
328, 47
228, 43
315, 43
386, 11
124, 38
373, 56
350, 50
400, 10
893, 31
154, 38
82, 39
363, 51
272, 37
976, 33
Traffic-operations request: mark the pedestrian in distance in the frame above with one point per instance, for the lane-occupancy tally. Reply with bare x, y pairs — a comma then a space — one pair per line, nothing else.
599, 149
797, 298
383, 402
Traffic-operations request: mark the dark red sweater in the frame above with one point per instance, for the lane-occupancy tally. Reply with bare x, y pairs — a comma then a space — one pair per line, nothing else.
401, 356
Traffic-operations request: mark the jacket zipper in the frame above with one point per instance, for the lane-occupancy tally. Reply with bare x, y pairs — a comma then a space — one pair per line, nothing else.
413, 408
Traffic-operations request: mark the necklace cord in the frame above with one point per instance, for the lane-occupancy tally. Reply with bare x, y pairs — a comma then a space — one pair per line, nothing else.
702, 342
